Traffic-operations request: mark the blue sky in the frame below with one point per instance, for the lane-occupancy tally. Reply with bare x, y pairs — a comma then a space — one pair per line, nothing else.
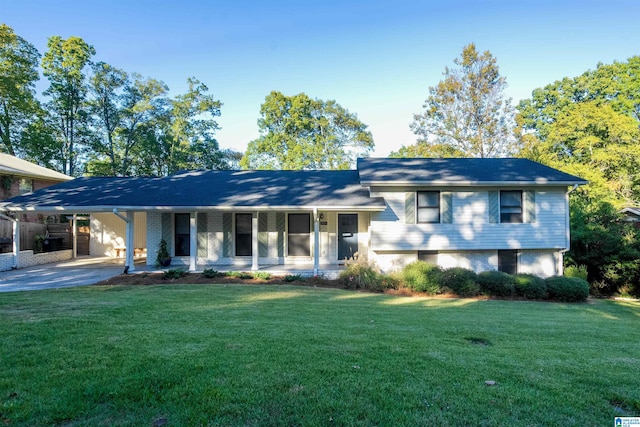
375, 58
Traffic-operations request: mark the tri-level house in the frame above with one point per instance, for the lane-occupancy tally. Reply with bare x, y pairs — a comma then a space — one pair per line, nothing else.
484, 214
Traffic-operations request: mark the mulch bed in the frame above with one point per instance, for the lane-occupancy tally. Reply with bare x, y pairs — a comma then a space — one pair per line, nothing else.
146, 279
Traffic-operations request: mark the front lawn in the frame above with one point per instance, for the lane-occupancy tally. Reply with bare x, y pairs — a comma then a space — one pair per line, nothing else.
238, 355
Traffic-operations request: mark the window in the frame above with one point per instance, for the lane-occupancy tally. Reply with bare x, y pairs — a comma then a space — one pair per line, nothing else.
244, 241
182, 232
428, 206
508, 261
428, 256
25, 186
299, 236
511, 206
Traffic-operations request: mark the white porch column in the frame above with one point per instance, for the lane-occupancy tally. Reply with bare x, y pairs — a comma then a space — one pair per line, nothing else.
254, 241
193, 241
16, 242
316, 242
129, 244
74, 231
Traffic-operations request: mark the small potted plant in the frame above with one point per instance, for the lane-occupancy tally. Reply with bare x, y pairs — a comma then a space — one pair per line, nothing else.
163, 259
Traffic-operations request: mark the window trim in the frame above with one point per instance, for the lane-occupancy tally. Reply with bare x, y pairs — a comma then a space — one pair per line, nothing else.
514, 207
437, 207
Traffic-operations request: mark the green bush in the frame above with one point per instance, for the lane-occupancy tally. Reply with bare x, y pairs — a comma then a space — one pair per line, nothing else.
262, 275
460, 281
239, 275
361, 275
292, 278
174, 273
211, 273
579, 271
496, 283
420, 276
530, 286
567, 289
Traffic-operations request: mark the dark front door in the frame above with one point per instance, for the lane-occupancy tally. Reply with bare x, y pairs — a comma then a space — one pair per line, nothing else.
347, 235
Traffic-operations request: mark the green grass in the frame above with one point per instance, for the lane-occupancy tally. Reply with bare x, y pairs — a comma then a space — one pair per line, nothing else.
283, 355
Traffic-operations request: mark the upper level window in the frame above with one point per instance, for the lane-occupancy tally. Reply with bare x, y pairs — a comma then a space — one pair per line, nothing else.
25, 185
428, 206
511, 206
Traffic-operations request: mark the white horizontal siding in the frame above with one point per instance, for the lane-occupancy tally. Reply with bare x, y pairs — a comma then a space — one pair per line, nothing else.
471, 229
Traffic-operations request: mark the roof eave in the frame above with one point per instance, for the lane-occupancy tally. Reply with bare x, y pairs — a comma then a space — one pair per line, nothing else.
544, 183
103, 209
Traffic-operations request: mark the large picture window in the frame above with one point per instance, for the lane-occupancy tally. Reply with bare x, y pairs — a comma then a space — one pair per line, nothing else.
511, 206
243, 234
299, 235
182, 232
428, 206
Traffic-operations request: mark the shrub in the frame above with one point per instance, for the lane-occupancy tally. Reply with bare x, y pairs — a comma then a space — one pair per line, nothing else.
262, 275
292, 278
496, 283
579, 271
567, 289
239, 275
211, 273
460, 281
361, 275
530, 286
420, 276
174, 273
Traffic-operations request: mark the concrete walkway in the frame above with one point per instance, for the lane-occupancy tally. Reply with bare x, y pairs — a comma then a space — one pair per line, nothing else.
81, 271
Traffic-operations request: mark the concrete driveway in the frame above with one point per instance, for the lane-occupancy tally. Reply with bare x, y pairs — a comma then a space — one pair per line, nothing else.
78, 272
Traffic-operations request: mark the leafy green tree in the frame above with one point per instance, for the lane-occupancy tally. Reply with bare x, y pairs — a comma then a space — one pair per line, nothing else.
18, 104
106, 85
616, 85
467, 112
181, 134
64, 65
589, 126
124, 108
298, 132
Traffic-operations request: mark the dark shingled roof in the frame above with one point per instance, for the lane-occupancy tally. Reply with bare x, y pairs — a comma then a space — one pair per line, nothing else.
384, 171
206, 190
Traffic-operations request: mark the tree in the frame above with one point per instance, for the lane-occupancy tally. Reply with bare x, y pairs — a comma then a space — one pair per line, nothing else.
298, 132
18, 75
589, 126
106, 85
181, 135
125, 108
467, 111
64, 65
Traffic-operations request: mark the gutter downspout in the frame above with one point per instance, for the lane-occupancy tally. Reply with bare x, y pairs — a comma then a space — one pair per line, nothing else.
16, 238
316, 242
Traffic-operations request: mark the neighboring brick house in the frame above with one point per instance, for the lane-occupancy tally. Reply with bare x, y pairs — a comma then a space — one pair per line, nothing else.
18, 177
485, 214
